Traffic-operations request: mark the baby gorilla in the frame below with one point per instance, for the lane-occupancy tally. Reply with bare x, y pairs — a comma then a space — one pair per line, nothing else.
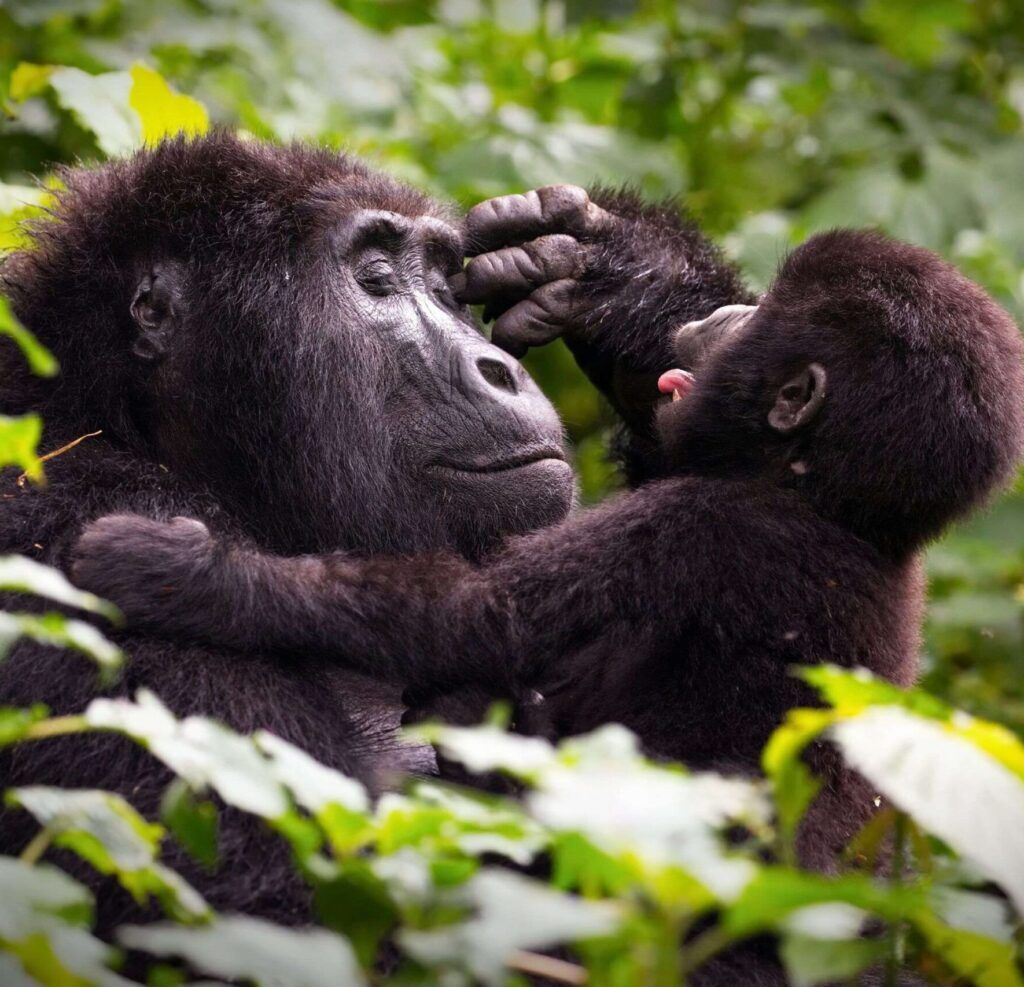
871, 398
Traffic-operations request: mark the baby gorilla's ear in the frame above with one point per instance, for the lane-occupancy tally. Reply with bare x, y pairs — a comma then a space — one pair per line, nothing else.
799, 399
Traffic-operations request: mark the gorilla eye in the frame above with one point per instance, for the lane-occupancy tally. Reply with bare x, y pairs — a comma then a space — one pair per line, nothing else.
376, 278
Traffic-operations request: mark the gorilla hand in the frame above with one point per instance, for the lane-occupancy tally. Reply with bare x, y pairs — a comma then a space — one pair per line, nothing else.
532, 250
147, 568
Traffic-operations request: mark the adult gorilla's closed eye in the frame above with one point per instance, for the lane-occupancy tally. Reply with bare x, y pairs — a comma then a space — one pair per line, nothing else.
266, 339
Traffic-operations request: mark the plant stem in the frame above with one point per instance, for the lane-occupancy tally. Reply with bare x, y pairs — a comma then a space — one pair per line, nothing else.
546, 966
894, 960
56, 726
36, 847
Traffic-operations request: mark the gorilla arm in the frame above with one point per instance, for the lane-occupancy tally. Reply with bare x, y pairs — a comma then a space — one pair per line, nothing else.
426, 621
611, 274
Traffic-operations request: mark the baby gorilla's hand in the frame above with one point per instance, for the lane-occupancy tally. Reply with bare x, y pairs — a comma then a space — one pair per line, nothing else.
532, 249
148, 568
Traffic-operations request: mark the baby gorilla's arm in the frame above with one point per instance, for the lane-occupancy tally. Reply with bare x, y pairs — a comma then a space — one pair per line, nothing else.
425, 621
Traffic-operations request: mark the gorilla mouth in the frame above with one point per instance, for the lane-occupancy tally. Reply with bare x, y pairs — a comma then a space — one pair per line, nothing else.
676, 382
501, 464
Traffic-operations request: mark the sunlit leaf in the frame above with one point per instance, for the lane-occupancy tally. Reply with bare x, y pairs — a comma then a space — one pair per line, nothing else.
241, 948
162, 111
19, 574
58, 631
39, 358
102, 105
950, 786
19, 439
28, 80
510, 912
201, 751
194, 822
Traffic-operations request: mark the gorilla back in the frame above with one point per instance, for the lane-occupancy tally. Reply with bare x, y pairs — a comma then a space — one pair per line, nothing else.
266, 340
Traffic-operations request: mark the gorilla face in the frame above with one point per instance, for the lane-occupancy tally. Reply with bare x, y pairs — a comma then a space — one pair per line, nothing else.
333, 391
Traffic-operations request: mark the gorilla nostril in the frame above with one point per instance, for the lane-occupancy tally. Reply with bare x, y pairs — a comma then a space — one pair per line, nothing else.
497, 374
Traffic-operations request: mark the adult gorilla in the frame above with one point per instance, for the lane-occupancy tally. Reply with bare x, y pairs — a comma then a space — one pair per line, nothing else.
267, 340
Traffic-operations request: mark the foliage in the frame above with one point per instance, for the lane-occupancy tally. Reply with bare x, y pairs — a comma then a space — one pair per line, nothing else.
770, 120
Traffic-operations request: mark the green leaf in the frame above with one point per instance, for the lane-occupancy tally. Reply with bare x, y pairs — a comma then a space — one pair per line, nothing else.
818, 961
102, 105
977, 958
39, 358
19, 574
355, 901
241, 948
488, 748
793, 785
15, 723
201, 751
194, 823
61, 632
29, 80
106, 832
37, 897
509, 913
952, 788
162, 111
313, 785
19, 438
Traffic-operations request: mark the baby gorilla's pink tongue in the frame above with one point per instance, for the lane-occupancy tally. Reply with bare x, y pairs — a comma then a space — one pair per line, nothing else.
678, 383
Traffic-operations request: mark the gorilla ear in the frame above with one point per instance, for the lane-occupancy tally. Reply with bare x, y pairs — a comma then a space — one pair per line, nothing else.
154, 310
799, 399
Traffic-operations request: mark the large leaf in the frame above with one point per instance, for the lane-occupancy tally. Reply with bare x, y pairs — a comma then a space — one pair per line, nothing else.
61, 632
101, 104
950, 786
161, 111
510, 913
103, 829
201, 751
241, 948
19, 574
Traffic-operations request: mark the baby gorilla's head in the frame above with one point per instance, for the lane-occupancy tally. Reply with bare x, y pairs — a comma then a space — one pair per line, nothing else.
873, 378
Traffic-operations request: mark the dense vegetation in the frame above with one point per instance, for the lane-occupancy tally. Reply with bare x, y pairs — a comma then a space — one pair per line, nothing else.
770, 121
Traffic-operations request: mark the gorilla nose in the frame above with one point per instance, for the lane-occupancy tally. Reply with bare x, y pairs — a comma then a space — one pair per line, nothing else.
498, 374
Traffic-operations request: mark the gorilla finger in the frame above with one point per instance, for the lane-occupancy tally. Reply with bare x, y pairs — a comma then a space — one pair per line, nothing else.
511, 273
513, 219
537, 320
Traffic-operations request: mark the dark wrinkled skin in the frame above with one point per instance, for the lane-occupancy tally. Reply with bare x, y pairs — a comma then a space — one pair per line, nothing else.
874, 397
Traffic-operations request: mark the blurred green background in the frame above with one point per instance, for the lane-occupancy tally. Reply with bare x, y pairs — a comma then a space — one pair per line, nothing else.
768, 120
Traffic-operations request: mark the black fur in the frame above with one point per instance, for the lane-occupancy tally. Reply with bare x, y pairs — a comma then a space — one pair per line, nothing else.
677, 609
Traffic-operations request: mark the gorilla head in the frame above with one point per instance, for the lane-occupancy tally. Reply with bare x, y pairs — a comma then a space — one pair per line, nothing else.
275, 324
873, 379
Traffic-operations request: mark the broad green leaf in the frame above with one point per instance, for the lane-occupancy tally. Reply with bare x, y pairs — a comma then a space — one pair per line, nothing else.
793, 785
509, 913
19, 439
61, 632
201, 751
29, 80
193, 822
37, 897
777, 893
106, 832
40, 359
19, 574
666, 818
355, 902
101, 104
819, 961
977, 958
489, 748
313, 785
951, 787
851, 690
162, 111
241, 948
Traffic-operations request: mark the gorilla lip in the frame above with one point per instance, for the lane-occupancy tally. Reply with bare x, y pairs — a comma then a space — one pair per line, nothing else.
676, 382
523, 457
